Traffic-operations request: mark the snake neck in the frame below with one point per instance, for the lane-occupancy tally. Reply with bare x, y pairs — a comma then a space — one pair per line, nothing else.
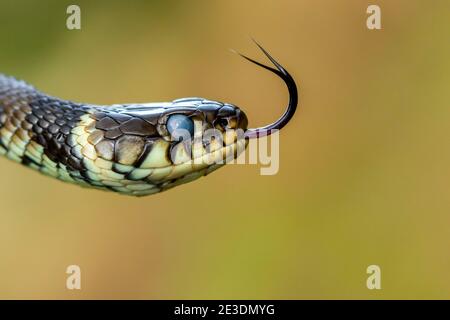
32, 120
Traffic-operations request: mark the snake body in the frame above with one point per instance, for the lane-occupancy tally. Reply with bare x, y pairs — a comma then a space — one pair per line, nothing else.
126, 148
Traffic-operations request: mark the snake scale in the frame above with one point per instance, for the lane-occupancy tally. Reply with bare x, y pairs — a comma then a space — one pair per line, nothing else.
133, 149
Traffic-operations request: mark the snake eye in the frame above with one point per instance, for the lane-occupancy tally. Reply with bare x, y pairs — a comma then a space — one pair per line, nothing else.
180, 127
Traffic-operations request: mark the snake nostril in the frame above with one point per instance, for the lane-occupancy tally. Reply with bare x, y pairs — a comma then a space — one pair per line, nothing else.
223, 122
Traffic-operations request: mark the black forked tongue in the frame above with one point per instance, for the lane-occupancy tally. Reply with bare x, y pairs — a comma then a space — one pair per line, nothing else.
293, 97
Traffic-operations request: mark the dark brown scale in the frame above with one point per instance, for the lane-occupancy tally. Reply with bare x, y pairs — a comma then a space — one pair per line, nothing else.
105, 149
99, 115
26, 126
113, 133
120, 118
151, 119
19, 115
15, 122
106, 123
138, 127
128, 149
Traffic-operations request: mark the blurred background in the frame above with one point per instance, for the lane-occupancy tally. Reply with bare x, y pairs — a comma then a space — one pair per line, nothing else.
364, 165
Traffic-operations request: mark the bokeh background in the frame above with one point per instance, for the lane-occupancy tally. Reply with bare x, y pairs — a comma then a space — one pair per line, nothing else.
365, 163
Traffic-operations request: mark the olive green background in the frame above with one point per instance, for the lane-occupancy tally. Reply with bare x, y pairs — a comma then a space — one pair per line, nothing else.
365, 163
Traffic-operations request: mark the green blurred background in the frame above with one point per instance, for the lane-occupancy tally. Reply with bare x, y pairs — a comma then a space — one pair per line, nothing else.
364, 174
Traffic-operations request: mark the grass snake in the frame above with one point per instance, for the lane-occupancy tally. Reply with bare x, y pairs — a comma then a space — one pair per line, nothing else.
133, 149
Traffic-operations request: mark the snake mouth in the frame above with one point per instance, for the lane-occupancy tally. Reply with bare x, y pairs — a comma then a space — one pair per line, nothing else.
202, 163
207, 153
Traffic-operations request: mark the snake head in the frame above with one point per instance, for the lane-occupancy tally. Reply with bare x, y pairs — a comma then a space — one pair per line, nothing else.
162, 145
203, 131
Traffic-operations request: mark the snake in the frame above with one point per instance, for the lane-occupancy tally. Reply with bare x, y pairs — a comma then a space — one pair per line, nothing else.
134, 149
